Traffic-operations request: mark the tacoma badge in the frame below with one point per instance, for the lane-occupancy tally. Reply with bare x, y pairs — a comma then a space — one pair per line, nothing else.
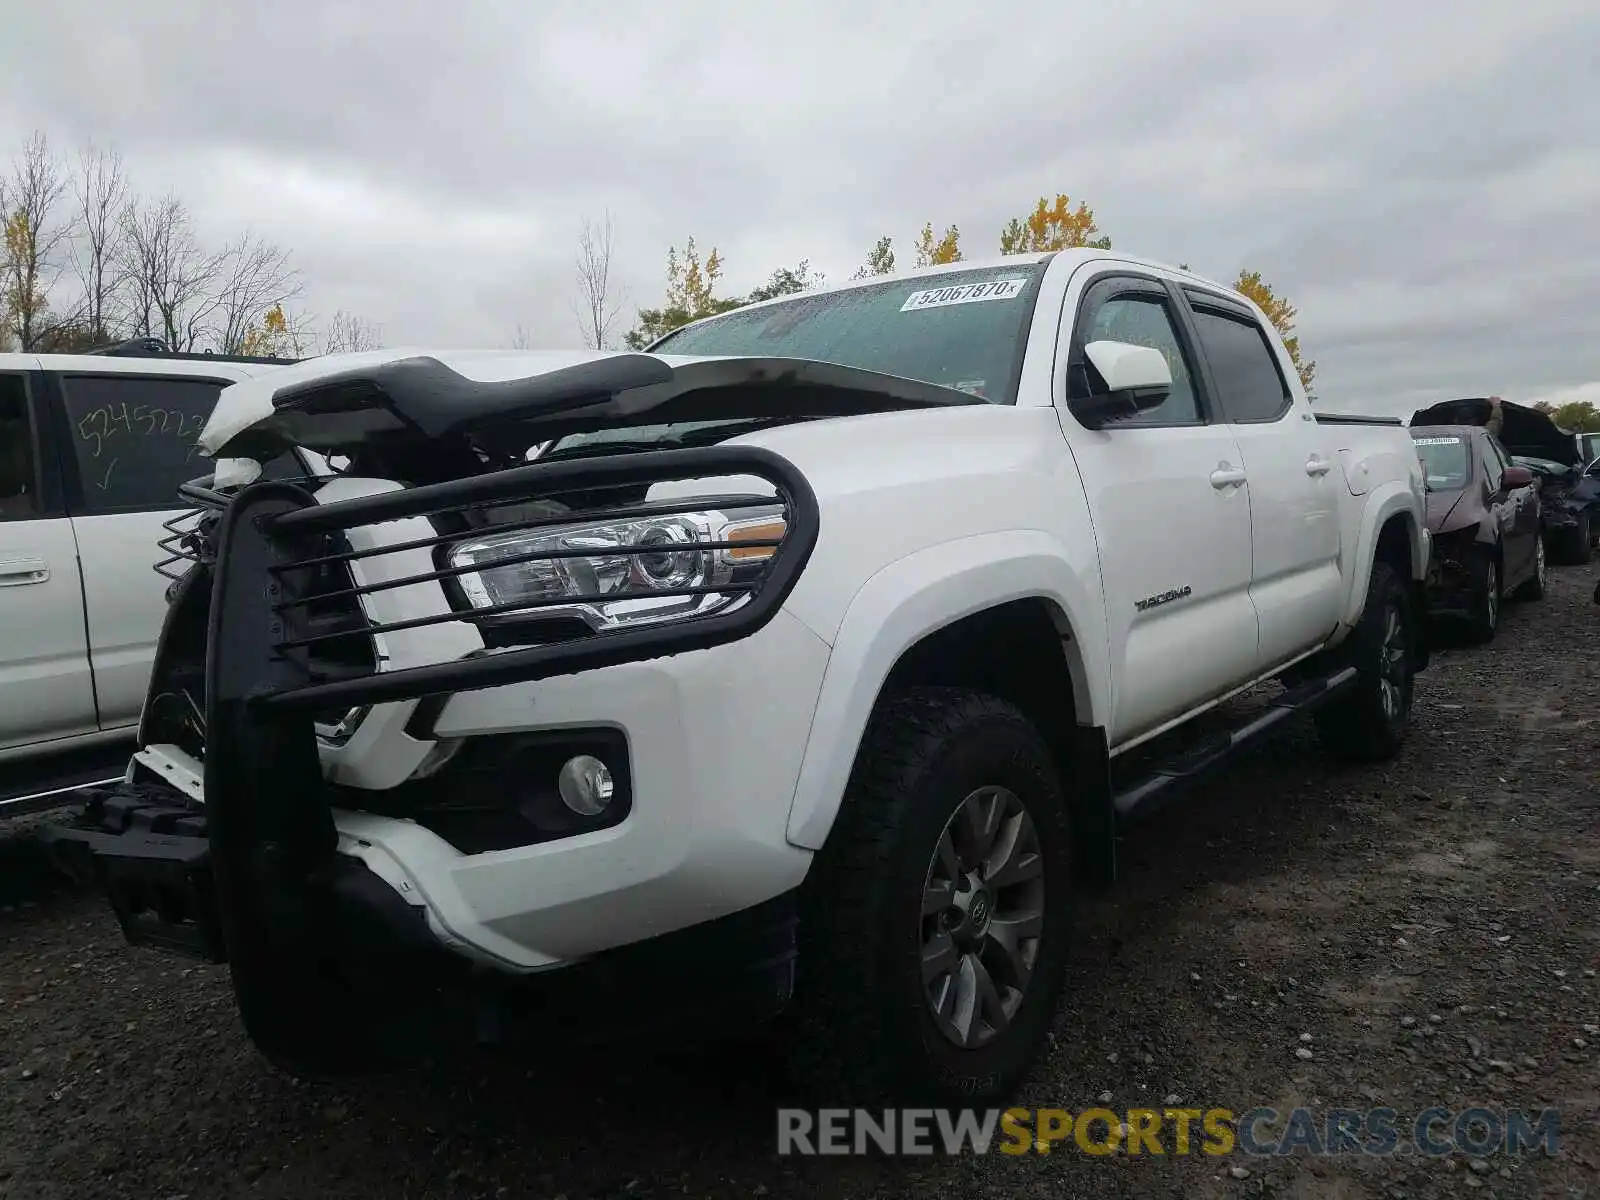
1163, 598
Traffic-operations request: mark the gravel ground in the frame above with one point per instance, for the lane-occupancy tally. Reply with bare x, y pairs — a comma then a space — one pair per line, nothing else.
1431, 926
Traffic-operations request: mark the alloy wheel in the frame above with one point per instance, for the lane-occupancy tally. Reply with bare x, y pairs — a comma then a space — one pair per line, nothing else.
1392, 664
982, 916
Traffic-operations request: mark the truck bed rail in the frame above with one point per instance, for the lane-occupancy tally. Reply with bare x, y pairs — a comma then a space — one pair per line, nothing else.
1327, 418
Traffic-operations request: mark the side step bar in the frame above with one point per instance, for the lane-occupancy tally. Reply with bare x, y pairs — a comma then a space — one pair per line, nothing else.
1176, 776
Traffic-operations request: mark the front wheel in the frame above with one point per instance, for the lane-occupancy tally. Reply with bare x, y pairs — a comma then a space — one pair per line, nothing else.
934, 922
1483, 620
1368, 724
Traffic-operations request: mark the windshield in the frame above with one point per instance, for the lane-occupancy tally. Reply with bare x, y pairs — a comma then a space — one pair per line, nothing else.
1445, 462
963, 330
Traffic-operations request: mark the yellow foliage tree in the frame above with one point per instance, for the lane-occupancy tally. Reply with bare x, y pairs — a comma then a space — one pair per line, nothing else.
1056, 226
691, 295
880, 259
276, 336
23, 302
1282, 314
932, 253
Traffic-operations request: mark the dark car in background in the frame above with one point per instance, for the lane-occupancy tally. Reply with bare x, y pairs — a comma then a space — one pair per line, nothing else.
1485, 517
1570, 498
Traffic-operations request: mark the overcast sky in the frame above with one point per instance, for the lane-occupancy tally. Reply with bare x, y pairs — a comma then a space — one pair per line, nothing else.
1421, 177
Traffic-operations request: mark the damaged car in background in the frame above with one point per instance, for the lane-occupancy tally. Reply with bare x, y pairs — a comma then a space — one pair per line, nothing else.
1569, 493
1485, 518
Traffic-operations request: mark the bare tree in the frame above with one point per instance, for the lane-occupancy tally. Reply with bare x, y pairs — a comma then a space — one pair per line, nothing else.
169, 290
596, 307
35, 234
250, 278
347, 332
522, 338
102, 194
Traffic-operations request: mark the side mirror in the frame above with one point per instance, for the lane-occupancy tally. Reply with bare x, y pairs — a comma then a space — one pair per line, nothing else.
1515, 477
1135, 379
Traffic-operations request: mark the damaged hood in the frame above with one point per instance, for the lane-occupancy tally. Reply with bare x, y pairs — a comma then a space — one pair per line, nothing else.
1523, 430
343, 403
1443, 505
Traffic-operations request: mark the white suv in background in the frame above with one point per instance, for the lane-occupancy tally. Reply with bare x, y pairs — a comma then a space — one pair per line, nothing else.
92, 450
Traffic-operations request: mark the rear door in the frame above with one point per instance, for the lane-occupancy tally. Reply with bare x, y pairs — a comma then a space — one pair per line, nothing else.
1517, 510
1294, 520
46, 691
130, 443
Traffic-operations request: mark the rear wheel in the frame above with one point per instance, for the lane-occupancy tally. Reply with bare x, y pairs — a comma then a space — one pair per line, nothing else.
1369, 722
934, 923
1533, 589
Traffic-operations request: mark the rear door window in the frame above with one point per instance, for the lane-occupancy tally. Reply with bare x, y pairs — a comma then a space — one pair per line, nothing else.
132, 438
1250, 384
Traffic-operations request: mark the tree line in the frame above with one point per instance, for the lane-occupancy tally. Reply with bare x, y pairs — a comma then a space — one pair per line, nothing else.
88, 260
1575, 416
691, 291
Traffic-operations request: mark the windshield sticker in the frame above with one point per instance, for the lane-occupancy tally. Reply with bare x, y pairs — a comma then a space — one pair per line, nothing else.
966, 293
971, 386
1438, 441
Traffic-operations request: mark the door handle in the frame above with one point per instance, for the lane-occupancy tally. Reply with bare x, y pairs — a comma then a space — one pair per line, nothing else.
1226, 476
19, 572
1317, 465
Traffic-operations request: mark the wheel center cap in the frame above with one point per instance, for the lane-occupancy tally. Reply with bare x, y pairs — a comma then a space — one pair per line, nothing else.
979, 909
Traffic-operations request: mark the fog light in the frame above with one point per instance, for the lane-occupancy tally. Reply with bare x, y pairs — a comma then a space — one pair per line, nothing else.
585, 785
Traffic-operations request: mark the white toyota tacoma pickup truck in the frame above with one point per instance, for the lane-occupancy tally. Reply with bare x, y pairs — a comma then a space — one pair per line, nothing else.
784, 670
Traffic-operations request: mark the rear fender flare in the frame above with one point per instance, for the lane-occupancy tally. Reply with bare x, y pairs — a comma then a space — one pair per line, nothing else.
1384, 502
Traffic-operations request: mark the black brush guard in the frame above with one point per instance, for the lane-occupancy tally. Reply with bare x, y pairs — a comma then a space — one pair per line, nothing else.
262, 886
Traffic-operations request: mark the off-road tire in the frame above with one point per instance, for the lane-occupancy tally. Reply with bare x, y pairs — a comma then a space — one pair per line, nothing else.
859, 1031
1357, 727
1483, 621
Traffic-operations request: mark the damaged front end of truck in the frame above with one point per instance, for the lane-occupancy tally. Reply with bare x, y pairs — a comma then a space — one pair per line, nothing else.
439, 561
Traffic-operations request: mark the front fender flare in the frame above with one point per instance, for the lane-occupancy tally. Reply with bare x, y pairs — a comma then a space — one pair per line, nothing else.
917, 595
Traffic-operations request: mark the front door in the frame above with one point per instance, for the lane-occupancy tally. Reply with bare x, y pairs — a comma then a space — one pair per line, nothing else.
1171, 511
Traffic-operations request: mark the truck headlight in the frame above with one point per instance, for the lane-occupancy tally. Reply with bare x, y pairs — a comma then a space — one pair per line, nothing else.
625, 572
